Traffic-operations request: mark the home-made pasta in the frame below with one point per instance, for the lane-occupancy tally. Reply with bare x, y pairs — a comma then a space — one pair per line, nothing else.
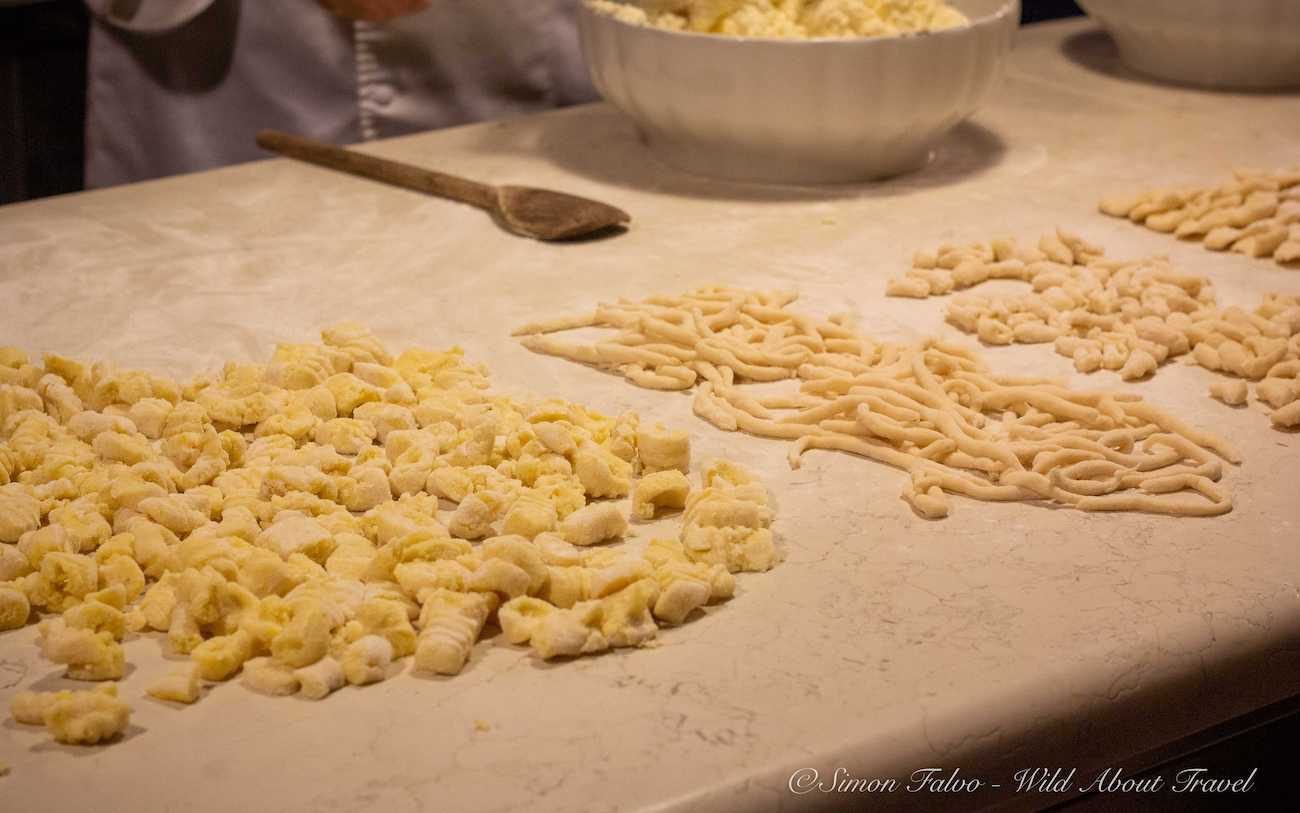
930, 408
1125, 316
284, 523
1256, 213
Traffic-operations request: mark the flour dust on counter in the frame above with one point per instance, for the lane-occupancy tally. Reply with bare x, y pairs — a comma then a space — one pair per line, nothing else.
930, 408
286, 523
1128, 316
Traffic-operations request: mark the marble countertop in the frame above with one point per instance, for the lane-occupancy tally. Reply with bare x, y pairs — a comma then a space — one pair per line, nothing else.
1006, 637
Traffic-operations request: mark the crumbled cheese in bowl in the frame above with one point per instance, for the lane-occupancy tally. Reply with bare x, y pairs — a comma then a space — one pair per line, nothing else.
788, 19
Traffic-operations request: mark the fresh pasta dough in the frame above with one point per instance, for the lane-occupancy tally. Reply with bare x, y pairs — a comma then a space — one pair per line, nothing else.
1125, 316
1257, 213
930, 408
287, 523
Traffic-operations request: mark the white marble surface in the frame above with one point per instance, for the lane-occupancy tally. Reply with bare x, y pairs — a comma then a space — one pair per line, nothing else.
1007, 636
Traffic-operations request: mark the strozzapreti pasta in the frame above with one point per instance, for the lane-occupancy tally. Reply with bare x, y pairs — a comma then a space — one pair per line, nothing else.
929, 408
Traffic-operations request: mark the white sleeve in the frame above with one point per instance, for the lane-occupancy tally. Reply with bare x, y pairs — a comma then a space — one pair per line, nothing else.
147, 16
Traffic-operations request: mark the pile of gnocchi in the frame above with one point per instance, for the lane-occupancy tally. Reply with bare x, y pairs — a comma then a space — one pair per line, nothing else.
285, 523
1129, 316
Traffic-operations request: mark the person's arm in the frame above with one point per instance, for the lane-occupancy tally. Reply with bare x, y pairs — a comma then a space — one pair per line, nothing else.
374, 11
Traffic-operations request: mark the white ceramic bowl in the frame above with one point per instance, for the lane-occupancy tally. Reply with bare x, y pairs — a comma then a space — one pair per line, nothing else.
1241, 44
798, 111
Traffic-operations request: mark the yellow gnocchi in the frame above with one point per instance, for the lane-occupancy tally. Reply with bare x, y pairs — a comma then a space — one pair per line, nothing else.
307, 524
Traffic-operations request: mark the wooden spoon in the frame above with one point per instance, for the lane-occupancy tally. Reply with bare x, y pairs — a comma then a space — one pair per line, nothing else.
537, 213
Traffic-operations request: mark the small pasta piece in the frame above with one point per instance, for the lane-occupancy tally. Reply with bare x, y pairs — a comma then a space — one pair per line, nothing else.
389, 619
661, 449
87, 718
662, 489
1232, 393
1140, 364
910, 287
501, 577
320, 679
738, 548
366, 660
601, 473
92, 615
520, 616
570, 632
19, 514
220, 657
679, 598
593, 524
266, 676
305, 639
521, 553
178, 686
88, 655
474, 517
14, 608
28, 708
450, 623
1287, 417
1277, 392
530, 516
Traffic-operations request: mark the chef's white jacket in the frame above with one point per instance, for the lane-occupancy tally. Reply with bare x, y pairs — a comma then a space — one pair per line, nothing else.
182, 85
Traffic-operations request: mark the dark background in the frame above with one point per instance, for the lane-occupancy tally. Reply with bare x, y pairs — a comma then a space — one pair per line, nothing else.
43, 93
42, 98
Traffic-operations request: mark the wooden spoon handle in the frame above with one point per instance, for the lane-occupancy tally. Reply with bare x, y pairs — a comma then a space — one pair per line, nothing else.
379, 169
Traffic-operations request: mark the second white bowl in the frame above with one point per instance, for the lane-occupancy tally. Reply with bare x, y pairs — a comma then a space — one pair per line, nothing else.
1243, 44
798, 111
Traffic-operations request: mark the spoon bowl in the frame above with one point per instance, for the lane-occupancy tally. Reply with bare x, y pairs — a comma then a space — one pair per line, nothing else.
543, 214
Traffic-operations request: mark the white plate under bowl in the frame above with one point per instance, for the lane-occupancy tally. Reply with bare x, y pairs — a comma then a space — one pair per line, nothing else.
815, 111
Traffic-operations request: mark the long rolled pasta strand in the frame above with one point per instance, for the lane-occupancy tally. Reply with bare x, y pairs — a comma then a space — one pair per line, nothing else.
949, 481
1218, 502
554, 347
613, 354
1089, 478
556, 325
888, 429
665, 377
930, 503
1175, 426
711, 408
